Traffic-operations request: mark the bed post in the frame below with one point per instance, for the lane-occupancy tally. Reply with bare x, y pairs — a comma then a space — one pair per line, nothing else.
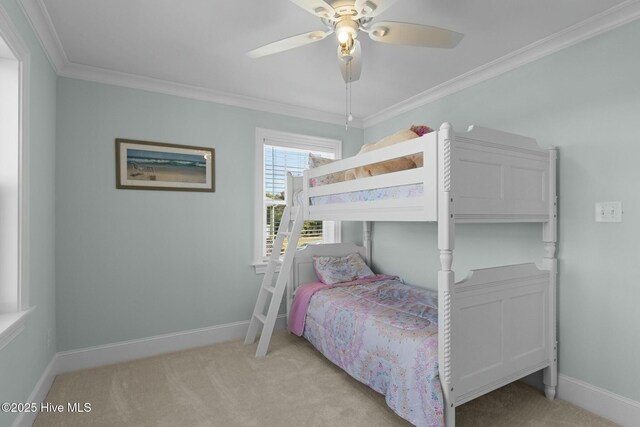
366, 240
446, 277
550, 262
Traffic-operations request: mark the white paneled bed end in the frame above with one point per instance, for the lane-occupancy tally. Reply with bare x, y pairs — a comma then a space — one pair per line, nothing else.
496, 325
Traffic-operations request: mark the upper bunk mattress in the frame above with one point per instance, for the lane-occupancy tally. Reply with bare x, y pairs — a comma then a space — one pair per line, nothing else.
384, 334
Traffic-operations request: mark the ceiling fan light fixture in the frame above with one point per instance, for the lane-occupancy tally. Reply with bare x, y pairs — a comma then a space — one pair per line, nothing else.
346, 55
343, 37
346, 31
346, 18
346, 47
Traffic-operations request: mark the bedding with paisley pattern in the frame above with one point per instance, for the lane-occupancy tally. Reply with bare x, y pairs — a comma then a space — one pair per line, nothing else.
385, 334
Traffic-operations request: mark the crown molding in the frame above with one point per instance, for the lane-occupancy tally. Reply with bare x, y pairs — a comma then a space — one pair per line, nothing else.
150, 84
609, 19
39, 18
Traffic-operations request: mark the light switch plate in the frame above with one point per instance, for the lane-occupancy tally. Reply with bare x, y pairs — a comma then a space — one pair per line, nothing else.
609, 211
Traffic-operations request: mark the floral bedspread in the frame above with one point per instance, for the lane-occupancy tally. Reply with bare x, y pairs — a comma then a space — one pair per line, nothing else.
384, 334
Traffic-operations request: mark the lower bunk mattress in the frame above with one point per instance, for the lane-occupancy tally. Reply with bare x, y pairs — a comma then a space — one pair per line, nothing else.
384, 334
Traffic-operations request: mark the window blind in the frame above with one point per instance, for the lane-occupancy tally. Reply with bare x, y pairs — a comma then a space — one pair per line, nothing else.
278, 161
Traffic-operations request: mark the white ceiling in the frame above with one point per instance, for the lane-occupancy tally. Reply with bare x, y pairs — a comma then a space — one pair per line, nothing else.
202, 43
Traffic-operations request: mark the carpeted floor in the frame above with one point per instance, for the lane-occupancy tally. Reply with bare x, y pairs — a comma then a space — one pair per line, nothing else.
224, 385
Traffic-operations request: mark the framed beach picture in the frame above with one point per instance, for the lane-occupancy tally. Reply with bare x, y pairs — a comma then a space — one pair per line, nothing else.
142, 165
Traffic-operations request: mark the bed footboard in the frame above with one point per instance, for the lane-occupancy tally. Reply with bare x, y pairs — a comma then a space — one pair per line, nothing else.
501, 329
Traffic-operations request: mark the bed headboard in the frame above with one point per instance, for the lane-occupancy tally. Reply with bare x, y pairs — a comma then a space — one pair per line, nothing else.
303, 271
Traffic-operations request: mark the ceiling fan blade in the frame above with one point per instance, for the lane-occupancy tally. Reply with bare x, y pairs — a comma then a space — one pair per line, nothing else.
414, 35
317, 7
351, 70
372, 8
288, 43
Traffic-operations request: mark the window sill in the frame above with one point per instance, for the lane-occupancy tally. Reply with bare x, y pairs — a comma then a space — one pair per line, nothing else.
261, 267
11, 324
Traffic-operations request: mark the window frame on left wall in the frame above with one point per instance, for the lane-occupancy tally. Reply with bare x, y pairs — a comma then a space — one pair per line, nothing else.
287, 140
12, 320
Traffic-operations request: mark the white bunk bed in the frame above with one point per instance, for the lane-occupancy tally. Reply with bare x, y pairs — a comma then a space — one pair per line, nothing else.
496, 325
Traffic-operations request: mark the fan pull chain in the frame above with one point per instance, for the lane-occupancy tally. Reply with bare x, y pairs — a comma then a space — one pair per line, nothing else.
350, 117
347, 106
346, 101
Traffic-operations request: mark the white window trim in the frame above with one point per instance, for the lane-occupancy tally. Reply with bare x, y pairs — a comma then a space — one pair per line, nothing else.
285, 139
11, 324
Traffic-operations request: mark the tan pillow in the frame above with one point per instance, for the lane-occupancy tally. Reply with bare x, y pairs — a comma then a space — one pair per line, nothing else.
401, 136
394, 165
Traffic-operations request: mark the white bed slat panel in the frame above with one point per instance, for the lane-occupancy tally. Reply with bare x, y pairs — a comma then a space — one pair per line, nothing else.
409, 209
406, 148
499, 176
502, 141
405, 177
500, 326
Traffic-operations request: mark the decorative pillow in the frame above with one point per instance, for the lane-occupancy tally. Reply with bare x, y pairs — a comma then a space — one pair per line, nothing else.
314, 162
360, 267
331, 270
421, 130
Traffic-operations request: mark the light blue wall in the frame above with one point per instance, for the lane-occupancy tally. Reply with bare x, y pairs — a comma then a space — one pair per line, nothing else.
24, 359
586, 101
132, 264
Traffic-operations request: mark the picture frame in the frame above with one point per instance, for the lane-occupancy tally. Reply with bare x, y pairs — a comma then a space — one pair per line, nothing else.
145, 165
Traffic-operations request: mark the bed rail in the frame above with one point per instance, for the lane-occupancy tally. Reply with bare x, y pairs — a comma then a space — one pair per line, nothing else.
422, 207
493, 176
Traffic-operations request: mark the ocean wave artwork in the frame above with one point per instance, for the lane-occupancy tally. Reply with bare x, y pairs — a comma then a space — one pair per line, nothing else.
163, 166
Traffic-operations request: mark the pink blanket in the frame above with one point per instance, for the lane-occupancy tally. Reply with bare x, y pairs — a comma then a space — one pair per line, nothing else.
304, 293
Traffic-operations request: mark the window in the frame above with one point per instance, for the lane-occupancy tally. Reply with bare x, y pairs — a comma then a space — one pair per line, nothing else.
278, 153
14, 72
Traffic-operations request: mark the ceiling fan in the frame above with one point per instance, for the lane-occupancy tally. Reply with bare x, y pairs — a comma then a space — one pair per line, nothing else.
346, 18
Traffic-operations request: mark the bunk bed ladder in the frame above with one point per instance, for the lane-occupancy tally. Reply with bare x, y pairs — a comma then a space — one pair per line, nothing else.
290, 228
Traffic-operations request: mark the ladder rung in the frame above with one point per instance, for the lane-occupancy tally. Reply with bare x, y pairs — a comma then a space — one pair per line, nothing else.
276, 261
285, 233
261, 318
271, 289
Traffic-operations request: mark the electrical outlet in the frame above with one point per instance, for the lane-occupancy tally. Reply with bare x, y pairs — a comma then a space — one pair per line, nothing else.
609, 212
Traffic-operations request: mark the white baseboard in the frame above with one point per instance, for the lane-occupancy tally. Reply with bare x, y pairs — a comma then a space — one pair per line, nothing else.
108, 354
26, 419
604, 403
611, 406
93, 357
